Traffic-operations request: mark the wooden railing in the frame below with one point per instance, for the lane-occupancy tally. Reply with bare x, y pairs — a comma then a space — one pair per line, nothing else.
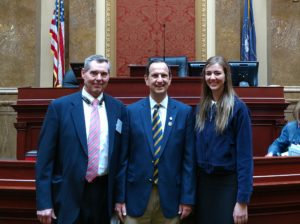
17, 192
275, 198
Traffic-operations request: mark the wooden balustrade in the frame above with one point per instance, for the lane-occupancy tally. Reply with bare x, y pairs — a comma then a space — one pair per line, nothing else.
275, 198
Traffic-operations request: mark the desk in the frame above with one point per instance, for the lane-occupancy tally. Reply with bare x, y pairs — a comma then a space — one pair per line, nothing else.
140, 70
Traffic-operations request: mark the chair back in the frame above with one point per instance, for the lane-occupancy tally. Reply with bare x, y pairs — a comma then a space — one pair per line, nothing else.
181, 61
70, 80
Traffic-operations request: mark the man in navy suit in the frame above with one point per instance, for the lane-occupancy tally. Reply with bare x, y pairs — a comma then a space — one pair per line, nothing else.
141, 198
64, 193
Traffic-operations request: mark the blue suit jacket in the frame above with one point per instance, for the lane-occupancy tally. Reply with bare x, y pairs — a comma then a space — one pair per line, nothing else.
63, 155
176, 168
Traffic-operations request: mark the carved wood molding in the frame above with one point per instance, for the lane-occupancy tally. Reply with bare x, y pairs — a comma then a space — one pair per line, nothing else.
201, 29
108, 29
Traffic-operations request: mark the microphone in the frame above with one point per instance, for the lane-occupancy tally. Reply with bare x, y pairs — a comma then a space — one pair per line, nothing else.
164, 40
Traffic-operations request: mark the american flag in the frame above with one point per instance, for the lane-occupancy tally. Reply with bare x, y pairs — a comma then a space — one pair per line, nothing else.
57, 32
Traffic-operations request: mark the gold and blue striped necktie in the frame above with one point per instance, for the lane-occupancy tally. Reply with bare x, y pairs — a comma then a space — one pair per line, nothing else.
157, 137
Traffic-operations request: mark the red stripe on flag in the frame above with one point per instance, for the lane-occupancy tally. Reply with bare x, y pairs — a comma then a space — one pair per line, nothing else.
57, 43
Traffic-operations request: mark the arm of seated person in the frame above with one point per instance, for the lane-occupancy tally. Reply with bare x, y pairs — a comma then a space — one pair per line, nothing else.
280, 144
270, 154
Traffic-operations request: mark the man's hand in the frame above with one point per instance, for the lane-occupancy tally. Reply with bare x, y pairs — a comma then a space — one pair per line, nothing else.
184, 210
120, 209
46, 216
240, 213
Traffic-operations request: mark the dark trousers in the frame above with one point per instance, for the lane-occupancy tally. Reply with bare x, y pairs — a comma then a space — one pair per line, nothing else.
94, 208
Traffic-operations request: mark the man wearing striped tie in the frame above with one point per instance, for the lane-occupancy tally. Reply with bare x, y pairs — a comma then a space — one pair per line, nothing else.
78, 152
156, 182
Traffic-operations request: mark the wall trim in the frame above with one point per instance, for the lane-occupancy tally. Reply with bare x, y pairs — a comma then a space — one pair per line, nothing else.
292, 89
8, 91
201, 29
110, 34
13, 90
108, 29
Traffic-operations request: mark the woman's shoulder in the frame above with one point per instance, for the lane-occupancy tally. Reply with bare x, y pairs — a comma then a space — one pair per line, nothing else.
239, 101
240, 105
292, 124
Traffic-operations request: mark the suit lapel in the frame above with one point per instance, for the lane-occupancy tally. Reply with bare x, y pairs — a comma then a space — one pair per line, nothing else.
145, 116
112, 120
79, 121
170, 119
77, 114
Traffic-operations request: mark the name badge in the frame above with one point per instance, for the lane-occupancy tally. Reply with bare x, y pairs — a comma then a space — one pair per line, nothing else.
119, 126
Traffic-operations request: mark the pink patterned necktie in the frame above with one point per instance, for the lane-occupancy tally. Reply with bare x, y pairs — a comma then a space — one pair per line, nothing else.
93, 143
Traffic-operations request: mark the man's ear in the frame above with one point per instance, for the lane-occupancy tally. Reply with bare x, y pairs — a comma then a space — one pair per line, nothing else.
82, 73
170, 77
146, 79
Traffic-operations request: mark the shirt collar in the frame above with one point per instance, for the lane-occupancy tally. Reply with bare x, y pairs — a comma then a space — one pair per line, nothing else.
163, 103
90, 97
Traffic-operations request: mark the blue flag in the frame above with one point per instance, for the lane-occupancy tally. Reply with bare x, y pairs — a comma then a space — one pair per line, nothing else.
248, 42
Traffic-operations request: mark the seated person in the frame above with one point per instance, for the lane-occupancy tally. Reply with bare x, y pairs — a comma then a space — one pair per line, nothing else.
290, 135
70, 80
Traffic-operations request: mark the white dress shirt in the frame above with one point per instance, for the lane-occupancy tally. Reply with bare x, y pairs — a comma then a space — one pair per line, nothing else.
162, 111
104, 140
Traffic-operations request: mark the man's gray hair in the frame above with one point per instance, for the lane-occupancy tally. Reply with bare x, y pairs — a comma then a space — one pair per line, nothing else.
97, 58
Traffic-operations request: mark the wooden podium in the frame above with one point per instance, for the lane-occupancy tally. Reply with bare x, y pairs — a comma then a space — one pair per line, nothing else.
266, 104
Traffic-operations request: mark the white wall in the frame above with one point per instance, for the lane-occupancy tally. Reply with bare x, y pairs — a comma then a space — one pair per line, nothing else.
100, 27
260, 10
211, 28
45, 54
